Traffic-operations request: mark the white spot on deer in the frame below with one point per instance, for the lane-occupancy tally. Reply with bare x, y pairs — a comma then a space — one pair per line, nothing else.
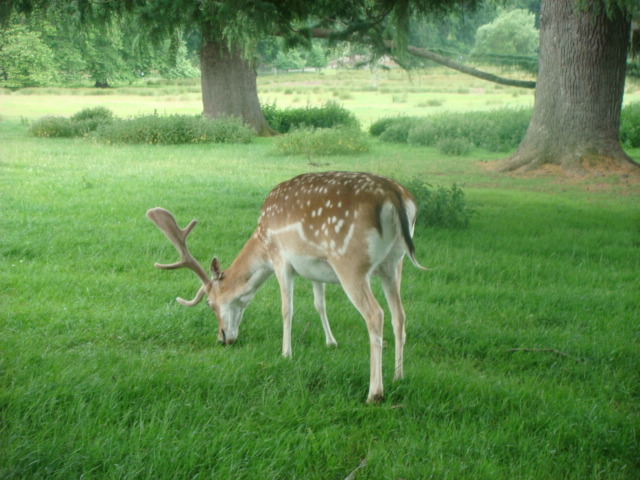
347, 240
339, 225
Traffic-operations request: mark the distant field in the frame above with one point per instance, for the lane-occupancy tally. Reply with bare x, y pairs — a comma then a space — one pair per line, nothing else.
522, 342
389, 93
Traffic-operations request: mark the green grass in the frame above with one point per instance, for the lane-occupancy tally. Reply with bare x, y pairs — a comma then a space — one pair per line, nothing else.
103, 375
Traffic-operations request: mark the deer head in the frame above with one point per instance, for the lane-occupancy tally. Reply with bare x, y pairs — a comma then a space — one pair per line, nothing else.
228, 309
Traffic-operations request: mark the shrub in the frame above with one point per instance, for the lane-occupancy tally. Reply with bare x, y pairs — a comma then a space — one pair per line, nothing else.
398, 130
175, 130
323, 141
440, 206
78, 125
630, 125
454, 146
496, 131
330, 115
56, 127
96, 113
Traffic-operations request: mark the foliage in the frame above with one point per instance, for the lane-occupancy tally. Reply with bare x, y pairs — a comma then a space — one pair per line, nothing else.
316, 57
102, 114
175, 130
512, 33
331, 114
291, 60
323, 141
440, 206
52, 126
78, 125
150, 129
496, 131
397, 131
25, 60
630, 125
454, 146
55, 49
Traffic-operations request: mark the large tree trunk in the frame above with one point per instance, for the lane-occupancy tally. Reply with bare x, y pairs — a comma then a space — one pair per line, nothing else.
578, 97
229, 86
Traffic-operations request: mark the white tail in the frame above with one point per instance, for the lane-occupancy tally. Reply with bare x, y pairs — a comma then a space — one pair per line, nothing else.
333, 227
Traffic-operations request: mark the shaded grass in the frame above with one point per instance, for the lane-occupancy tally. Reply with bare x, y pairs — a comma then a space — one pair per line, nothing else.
103, 375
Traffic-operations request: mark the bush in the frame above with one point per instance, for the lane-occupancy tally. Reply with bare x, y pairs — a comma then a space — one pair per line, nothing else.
496, 131
323, 141
630, 126
378, 127
398, 132
440, 206
175, 130
454, 146
78, 125
97, 113
330, 115
56, 127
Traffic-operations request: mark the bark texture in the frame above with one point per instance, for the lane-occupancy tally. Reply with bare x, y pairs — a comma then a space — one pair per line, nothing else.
229, 86
578, 97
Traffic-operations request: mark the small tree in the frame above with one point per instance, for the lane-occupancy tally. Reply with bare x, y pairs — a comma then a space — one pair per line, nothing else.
317, 57
290, 60
25, 61
512, 33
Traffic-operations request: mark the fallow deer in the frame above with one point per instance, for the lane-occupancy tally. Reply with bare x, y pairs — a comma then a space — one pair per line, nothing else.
332, 227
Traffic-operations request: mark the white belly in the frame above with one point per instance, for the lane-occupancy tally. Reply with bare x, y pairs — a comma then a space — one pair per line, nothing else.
313, 268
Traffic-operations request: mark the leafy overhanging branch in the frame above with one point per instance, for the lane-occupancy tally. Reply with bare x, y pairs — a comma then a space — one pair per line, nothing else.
428, 55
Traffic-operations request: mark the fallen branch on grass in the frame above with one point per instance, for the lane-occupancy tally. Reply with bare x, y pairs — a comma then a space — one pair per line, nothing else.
547, 350
352, 475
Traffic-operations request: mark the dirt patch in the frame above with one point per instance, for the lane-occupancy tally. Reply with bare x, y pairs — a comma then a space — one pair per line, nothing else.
601, 176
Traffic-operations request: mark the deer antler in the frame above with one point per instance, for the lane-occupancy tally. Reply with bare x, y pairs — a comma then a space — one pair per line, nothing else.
165, 221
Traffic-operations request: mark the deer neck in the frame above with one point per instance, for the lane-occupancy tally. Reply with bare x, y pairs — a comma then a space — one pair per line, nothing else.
248, 272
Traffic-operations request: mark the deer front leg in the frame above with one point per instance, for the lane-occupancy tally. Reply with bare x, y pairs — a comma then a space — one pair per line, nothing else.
320, 305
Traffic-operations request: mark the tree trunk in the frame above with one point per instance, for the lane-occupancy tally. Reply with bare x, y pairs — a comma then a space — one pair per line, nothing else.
578, 97
229, 86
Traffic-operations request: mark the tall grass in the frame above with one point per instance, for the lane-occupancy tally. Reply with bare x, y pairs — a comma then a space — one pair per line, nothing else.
103, 375
496, 131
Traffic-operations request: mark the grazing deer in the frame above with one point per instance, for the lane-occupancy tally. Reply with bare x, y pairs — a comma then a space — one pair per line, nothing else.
333, 227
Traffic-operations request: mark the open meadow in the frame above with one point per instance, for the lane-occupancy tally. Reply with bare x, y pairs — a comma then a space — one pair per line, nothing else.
523, 343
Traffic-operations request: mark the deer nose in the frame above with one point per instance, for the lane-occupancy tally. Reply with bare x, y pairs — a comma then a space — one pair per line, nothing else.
224, 340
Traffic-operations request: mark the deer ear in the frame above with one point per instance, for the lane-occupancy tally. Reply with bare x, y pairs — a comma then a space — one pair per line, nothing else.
216, 271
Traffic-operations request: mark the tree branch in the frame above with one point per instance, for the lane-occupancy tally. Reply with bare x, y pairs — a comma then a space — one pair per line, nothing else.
434, 57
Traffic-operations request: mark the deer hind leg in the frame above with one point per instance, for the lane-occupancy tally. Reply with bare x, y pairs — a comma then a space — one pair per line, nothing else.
390, 278
284, 274
360, 294
320, 305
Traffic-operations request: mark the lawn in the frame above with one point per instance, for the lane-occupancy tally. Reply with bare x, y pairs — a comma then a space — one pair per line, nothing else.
522, 356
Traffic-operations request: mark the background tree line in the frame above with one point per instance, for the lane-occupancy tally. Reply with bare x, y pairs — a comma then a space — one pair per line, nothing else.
58, 48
